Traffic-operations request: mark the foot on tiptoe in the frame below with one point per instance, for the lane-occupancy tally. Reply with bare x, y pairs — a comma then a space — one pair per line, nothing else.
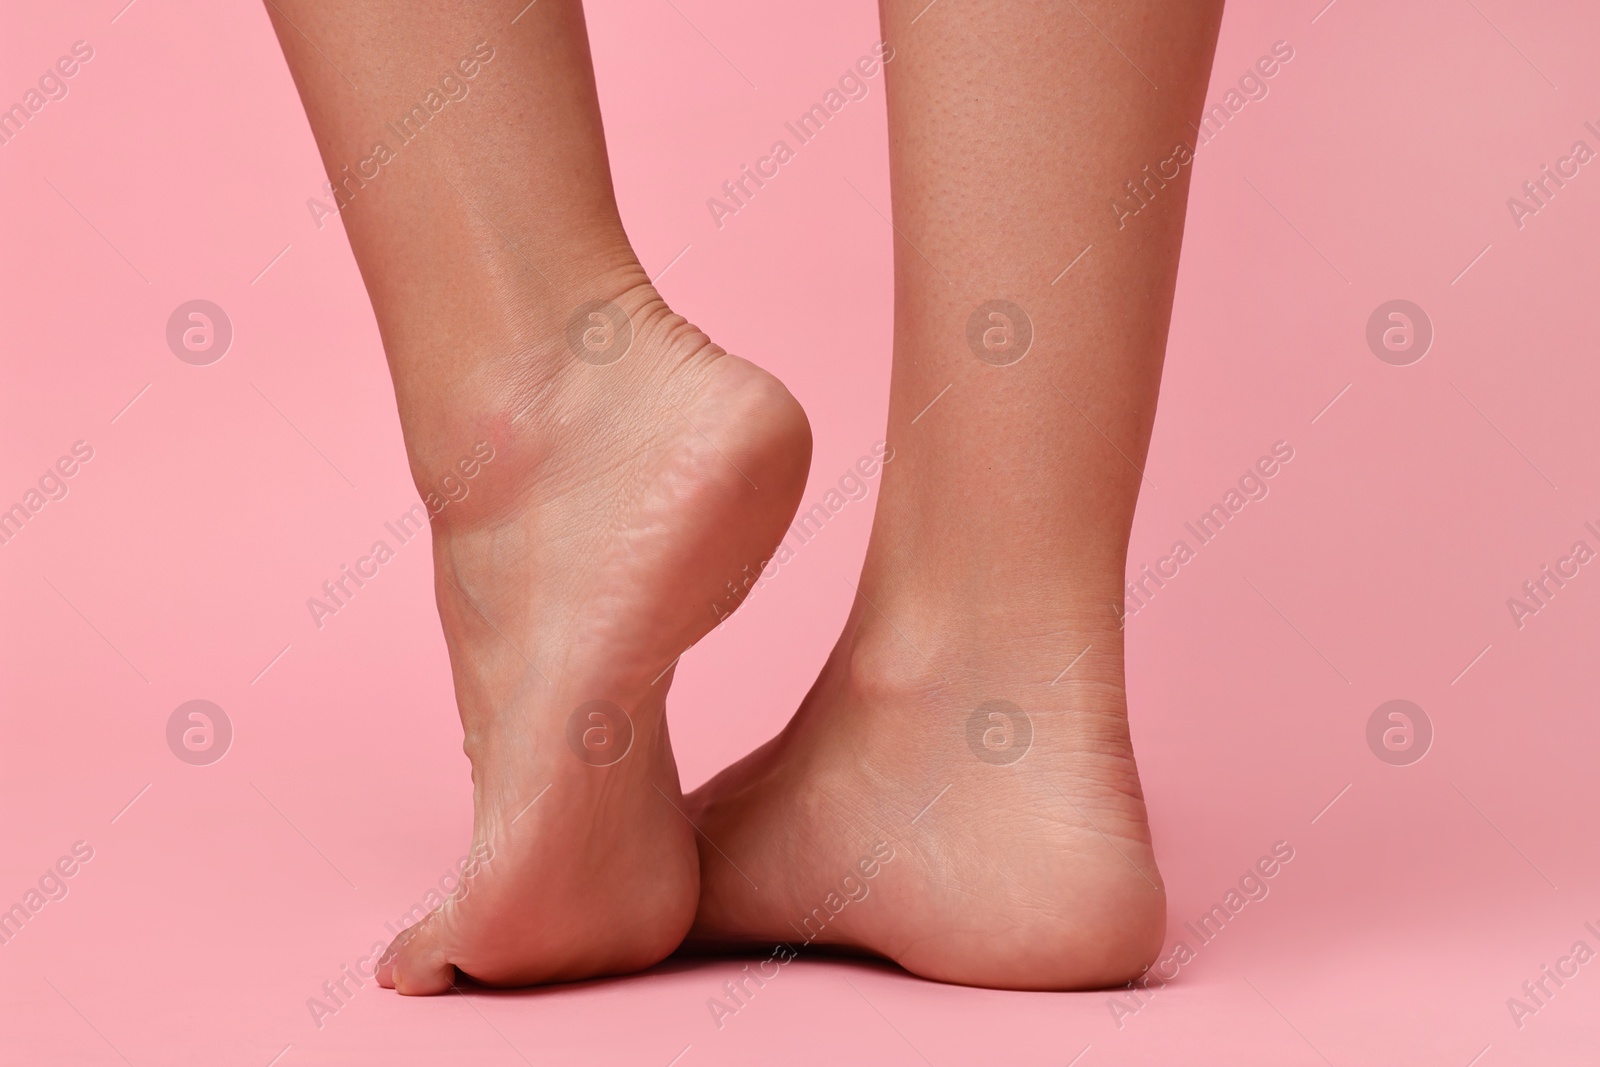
636, 470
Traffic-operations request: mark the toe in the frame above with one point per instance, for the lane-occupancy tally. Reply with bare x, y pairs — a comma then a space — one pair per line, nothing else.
415, 964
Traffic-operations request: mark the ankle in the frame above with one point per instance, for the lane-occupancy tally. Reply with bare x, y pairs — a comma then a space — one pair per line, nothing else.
913, 652
585, 362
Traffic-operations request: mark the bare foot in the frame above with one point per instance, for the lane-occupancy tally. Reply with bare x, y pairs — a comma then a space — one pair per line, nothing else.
587, 555
963, 812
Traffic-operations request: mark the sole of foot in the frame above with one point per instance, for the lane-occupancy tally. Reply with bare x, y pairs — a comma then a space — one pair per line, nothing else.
636, 470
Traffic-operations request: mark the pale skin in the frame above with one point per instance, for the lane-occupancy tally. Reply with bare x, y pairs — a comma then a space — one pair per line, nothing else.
625, 495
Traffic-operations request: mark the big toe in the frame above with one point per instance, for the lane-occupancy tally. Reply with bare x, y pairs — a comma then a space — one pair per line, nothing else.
415, 963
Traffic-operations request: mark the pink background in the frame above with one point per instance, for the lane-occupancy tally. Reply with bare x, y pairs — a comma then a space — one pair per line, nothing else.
1381, 562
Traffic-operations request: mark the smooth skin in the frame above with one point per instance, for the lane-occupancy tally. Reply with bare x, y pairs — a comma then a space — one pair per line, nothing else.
995, 568
625, 495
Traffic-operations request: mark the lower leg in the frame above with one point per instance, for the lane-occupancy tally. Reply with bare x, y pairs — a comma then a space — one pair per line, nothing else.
633, 468
987, 625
